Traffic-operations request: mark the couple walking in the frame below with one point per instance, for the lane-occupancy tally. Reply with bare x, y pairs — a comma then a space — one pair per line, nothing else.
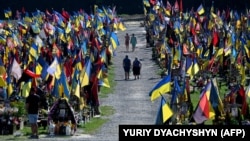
136, 67
132, 41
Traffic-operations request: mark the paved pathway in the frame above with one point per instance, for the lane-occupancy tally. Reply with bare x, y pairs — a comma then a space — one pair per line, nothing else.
130, 99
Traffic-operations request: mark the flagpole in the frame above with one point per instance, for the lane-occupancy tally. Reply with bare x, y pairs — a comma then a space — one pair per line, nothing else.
163, 98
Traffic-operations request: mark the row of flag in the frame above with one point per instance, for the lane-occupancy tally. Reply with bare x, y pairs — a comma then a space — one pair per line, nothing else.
66, 51
209, 103
203, 50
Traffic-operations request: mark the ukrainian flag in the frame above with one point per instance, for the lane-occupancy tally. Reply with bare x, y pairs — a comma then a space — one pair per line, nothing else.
189, 64
103, 78
146, 3
161, 87
26, 88
77, 89
44, 66
85, 73
55, 92
164, 112
200, 10
121, 26
114, 40
195, 68
65, 84
34, 50
35, 28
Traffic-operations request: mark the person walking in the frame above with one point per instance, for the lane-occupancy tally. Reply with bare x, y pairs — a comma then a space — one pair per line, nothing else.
136, 68
127, 38
126, 66
32, 107
133, 42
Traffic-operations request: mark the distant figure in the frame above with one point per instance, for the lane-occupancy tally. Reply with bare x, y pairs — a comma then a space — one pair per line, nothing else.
136, 68
133, 42
127, 38
126, 66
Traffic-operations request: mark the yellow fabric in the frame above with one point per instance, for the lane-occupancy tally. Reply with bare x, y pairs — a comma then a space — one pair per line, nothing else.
166, 112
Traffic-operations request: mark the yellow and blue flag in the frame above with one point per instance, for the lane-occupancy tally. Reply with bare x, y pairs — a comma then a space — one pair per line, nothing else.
103, 77
55, 92
26, 88
175, 92
201, 10
8, 13
196, 67
162, 87
164, 112
85, 73
77, 89
214, 98
65, 85
189, 64
146, 3
114, 40
44, 66
34, 50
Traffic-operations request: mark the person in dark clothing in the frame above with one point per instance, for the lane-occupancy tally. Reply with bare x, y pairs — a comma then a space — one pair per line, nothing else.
126, 66
136, 68
32, 107
43, 99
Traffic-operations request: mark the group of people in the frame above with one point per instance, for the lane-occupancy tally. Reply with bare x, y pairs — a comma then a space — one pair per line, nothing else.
130, 40
127, 64
136, 67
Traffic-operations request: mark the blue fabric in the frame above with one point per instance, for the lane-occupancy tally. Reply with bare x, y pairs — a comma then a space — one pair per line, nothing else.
33, 118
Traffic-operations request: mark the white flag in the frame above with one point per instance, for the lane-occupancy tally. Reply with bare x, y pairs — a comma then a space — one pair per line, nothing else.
54, 69
16, 70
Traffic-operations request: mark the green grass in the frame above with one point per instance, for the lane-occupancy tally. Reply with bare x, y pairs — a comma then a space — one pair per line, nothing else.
107, 110
111, 77
27, 131
92, 126
95, 123
12, 138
